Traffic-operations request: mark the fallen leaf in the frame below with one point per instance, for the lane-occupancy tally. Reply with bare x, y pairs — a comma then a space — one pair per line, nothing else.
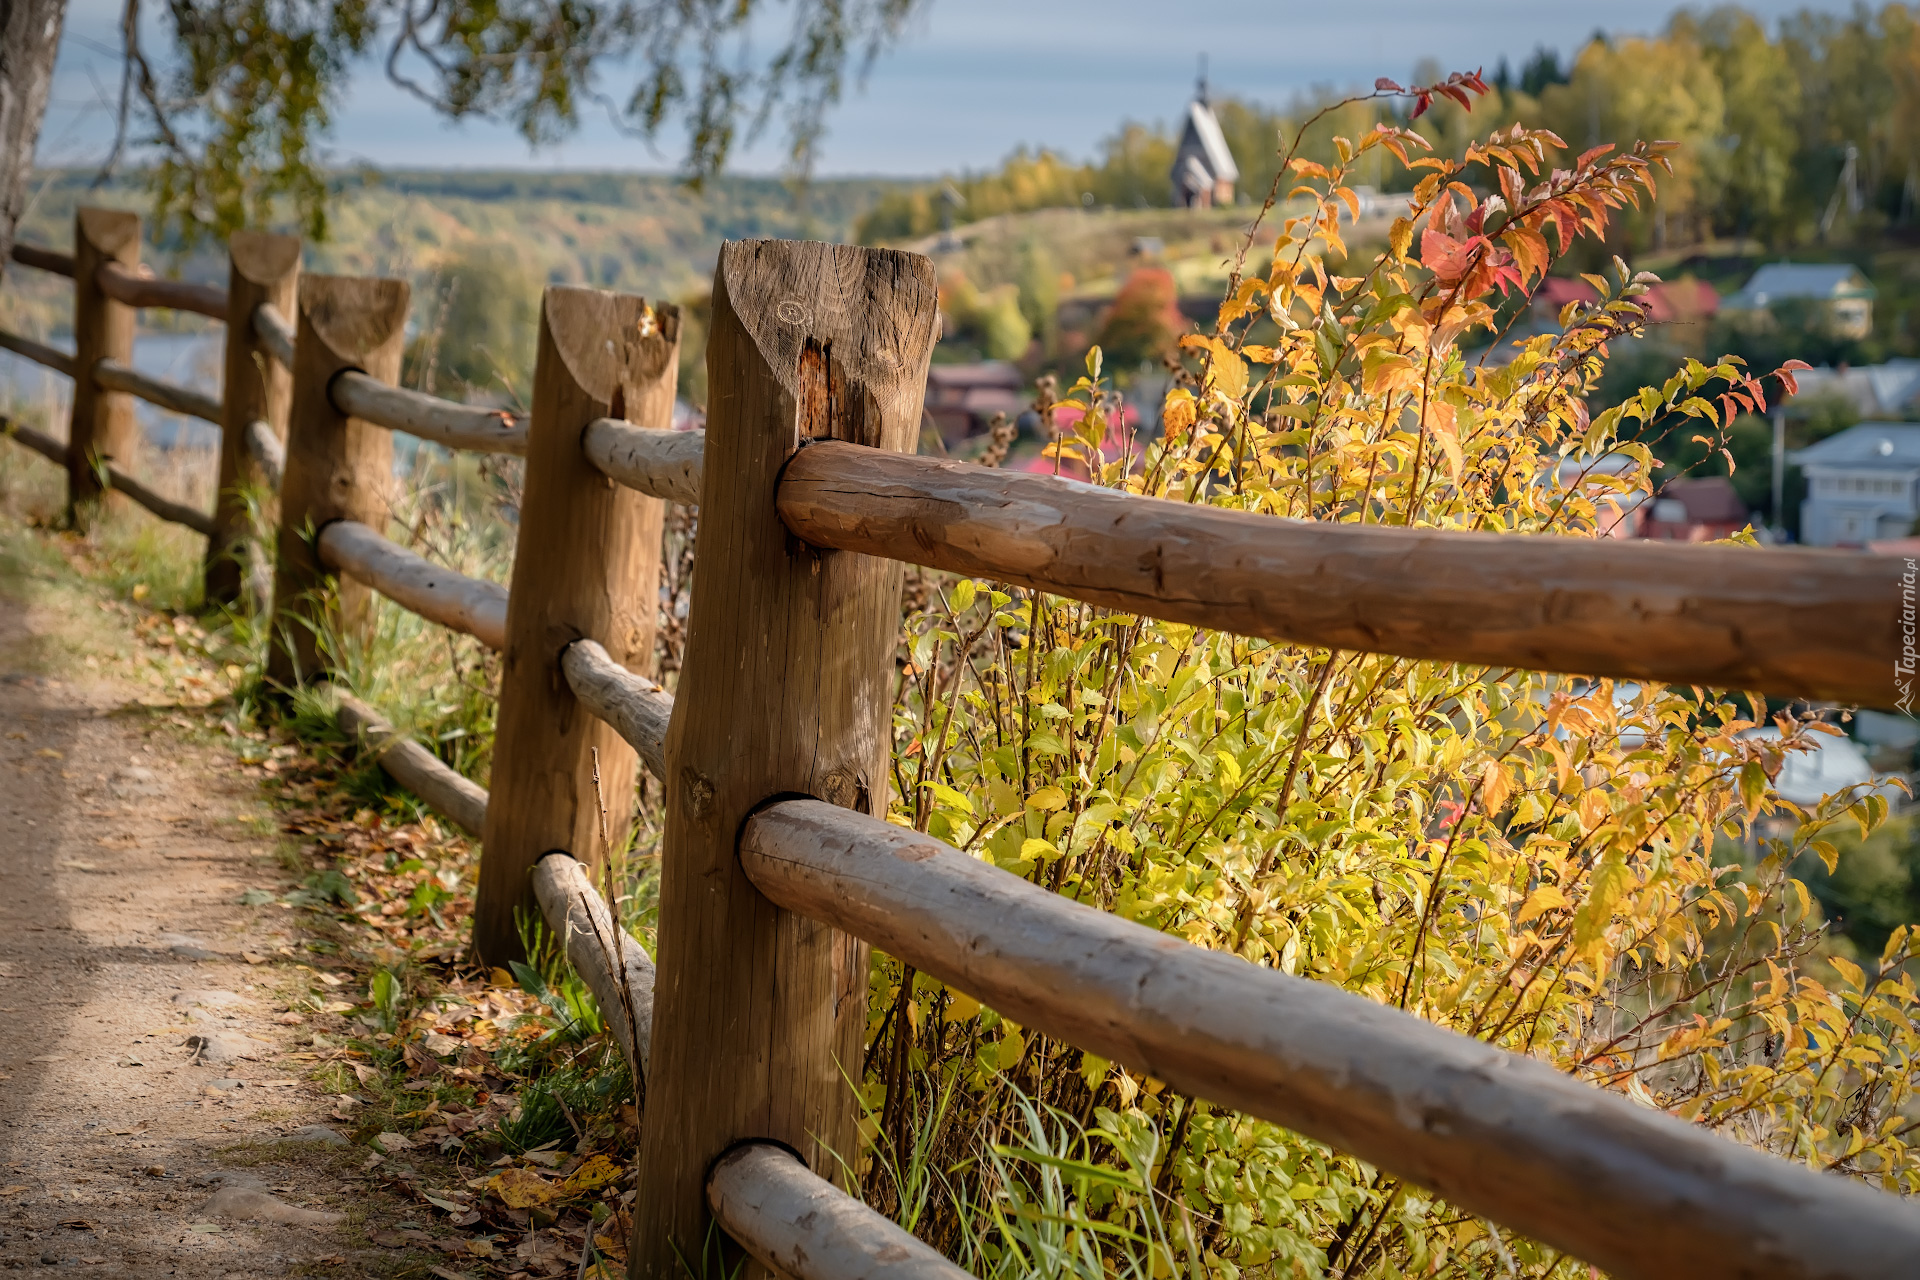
15, 1189
77, 1224
251, 958
392, 1142
50, 754
521, 1188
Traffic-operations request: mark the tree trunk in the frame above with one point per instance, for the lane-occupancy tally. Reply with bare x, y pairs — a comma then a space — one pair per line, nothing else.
29, 38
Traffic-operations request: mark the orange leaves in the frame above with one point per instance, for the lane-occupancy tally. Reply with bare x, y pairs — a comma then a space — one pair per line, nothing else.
1529, 249
1177, 414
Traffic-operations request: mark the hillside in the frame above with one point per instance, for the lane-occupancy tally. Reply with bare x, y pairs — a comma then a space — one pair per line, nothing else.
643, 233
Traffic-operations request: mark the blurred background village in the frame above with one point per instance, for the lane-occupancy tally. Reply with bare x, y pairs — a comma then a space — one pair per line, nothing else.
1790, 230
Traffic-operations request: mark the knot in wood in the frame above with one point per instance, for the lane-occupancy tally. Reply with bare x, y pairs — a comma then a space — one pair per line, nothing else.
846, 787
697, 792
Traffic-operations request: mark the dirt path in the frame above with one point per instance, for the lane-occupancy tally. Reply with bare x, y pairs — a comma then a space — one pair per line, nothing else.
145, 1080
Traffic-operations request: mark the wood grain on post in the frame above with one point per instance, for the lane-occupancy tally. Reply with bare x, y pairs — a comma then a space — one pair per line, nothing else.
586, 564
786, 690
1787, 621
1624, 1187
104, 428
262, 270
338, 468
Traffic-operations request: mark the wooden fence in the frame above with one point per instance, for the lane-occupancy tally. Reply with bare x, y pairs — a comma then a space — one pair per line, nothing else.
779, 871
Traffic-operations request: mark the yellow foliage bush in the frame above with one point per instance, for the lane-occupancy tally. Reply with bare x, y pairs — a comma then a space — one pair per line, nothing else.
1525, 858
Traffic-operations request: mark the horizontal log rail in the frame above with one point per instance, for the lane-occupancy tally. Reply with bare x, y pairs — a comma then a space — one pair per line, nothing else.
114, 376
457, 426
1635, 1191
802, 1226
453, 600
275, 332
439, 785
43, 259
636, 707
138, 290
267, 449
662, 464
614, 966
571, 906
55, 451
1793, 622
38, 352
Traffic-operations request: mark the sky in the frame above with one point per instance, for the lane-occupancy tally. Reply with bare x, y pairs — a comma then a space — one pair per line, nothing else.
972, 80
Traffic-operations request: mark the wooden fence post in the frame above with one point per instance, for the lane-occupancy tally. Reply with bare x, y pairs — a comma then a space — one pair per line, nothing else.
786, 689
586, 564
261, 268
338, 468
103, 426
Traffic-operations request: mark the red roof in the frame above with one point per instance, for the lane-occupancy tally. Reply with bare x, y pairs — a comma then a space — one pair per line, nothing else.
1681, 300
1708, 500
1557, 291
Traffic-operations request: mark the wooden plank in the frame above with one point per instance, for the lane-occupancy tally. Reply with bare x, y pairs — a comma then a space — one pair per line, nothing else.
275, 331
263, 270
586, 563
33, 255
55, 452
638, 709
1787, 621
665, 464
103, 429
338, 467
38, 352
802, 1226
614, 966
472, 606
438, 784
786, 689
111, 375
130, 286
1631, 1190
457, 426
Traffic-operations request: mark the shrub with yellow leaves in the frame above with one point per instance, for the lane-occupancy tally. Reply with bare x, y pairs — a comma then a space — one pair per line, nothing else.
1525, 858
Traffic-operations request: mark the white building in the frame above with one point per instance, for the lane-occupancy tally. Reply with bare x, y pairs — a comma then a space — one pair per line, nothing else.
1203, 168
1862, 484
1845, 294
1890, 390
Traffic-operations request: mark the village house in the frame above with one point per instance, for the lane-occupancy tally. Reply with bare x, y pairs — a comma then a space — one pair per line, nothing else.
1845, 294
1862, 485
962, 398
1204, 173
1697, 509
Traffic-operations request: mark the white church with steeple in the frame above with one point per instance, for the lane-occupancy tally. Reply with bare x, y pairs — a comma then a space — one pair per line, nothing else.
1203, 168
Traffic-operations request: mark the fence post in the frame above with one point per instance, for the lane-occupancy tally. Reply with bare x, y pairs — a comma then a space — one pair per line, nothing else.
103, 426
586, 564
786, 689
261, 268
338, 467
